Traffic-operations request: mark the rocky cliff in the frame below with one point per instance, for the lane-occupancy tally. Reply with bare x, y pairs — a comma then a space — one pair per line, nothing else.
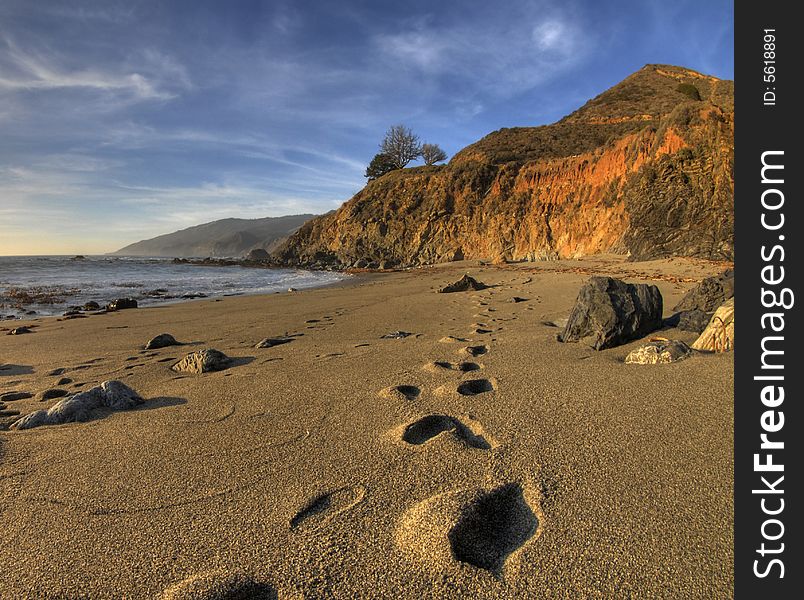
644, 169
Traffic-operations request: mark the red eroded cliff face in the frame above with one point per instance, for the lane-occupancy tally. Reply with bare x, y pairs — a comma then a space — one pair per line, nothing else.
644, 169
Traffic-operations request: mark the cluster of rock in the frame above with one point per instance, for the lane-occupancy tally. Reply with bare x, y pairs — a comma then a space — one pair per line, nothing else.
210, 261
93, 308
609, 312
84, 406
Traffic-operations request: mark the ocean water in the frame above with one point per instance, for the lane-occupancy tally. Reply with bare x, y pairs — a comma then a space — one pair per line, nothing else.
50, 285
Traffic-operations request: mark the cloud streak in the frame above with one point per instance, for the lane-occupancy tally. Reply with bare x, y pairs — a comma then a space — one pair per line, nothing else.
28, 70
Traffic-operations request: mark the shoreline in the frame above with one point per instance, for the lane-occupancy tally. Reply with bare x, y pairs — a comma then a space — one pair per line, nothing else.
327, 466
51, 293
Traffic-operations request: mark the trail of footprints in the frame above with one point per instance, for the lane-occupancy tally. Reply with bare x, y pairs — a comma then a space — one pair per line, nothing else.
478, 528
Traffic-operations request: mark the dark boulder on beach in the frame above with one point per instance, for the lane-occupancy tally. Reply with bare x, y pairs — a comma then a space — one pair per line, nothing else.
708, 295
121, 304
609, 312
91, 305
464, 284
161, 341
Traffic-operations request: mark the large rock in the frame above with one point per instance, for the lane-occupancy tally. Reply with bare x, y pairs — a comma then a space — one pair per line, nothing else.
709, 294
464, 284
84, 406
659, 352
203, 361
719, 334
610, 312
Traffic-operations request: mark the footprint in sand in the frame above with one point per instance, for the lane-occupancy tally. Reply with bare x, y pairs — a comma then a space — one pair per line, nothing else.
473, 387
474, 350
451, 339
219, 584
439, 366
481, 528
322, 509
423, 430
401, 392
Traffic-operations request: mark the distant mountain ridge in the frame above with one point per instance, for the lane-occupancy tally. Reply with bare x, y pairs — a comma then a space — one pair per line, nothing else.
222, 238
644, 169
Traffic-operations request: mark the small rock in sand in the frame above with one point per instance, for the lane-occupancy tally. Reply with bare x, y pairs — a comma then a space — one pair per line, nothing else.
161, 341
121, 303
395, 335
114, 395
271, 342
19, 331
659, 352
464, 284
203, 361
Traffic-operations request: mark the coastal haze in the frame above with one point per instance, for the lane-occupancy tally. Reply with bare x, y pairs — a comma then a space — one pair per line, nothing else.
223, 238
229, 360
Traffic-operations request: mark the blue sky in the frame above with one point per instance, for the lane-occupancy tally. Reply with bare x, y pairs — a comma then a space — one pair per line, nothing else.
124, 120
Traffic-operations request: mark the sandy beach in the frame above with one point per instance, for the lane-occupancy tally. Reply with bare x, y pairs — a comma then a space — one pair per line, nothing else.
335, 465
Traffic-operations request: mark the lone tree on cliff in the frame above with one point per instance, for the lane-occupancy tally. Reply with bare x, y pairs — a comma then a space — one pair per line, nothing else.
400, 145
379, 166
432, 153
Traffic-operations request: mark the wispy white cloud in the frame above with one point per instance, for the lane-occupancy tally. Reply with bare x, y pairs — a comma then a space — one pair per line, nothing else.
491, 59
158, 78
